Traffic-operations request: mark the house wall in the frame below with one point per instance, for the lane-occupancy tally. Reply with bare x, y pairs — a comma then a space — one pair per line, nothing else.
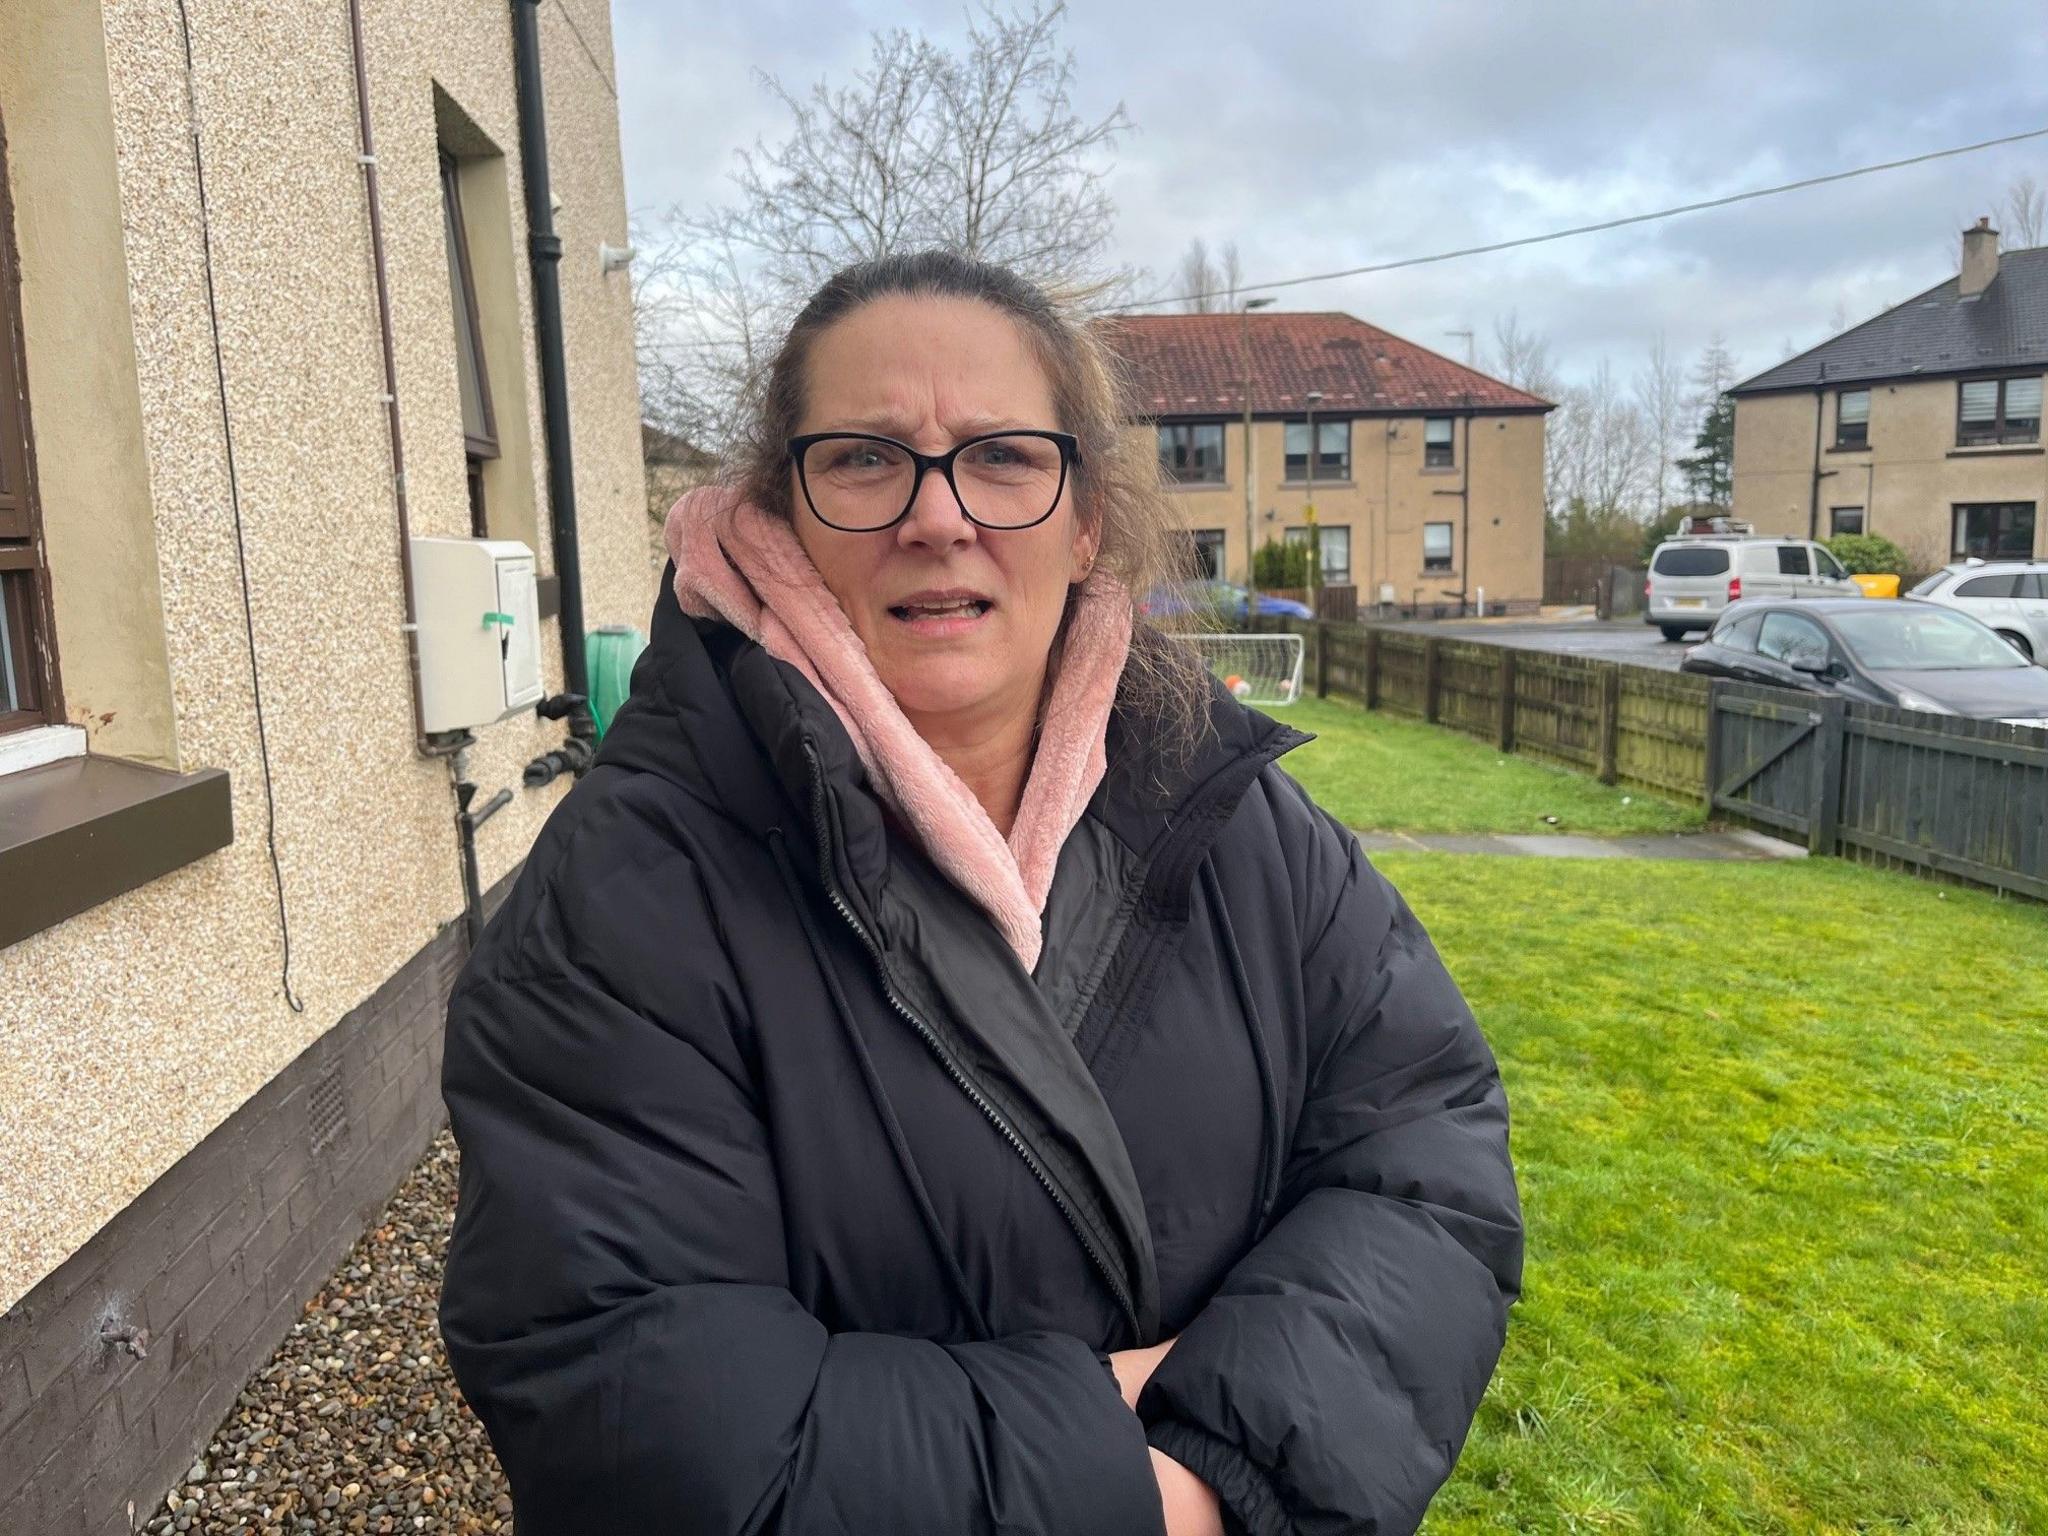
1387, 499
1907, 480
130, 1032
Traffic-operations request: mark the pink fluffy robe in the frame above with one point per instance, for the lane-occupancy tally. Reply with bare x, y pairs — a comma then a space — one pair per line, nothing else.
737, 563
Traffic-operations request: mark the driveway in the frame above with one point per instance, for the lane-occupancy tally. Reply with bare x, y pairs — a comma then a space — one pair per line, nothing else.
1629, 640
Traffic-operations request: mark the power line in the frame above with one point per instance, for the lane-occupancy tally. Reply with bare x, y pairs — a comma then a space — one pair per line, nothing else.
1589, 229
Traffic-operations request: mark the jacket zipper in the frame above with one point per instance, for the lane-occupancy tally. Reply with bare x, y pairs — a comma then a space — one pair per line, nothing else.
945, 1057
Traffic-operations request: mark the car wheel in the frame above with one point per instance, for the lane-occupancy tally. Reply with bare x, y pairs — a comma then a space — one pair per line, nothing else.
2017, 642
1672, 631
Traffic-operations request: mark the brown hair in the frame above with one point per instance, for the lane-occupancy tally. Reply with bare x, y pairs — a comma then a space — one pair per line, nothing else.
1116, 483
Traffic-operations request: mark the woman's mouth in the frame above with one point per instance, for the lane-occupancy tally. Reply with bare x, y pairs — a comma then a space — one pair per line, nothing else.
940, 613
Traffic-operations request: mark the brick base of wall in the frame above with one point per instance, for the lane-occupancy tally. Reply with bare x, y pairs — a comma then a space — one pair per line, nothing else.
215, 1260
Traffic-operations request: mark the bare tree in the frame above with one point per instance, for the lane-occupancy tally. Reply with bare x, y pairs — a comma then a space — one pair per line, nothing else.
1522, 358
2024, 213
980, 152
1660, 396
1209, 286
1713, 374
1599, 449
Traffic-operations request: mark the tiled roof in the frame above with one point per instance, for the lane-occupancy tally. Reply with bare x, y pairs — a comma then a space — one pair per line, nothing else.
1938, 332
1191, 365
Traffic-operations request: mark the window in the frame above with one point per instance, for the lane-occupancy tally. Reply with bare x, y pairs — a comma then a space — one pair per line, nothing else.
1999, 530
1928, 585
28, 673
1205, 554
1786, 635
1738, 634
1336, 547
1792, 560
1825, 564
1439, 446
1191, 453
1845, 520
1989, 586
479, 425
1436, 546
1998, 411
2033, 586
1690, 560
1333, 450
1852, 418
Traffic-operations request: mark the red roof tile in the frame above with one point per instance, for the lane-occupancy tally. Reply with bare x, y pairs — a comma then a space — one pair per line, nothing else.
1191, 365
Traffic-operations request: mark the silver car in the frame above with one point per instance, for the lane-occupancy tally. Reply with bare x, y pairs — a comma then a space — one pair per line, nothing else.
2009, 595
1693, 578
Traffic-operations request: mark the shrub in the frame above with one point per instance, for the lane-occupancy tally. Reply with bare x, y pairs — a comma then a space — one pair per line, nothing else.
1868, 554
1280, 565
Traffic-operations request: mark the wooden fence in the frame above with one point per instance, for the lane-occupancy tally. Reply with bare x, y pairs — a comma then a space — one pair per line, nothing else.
1932, 794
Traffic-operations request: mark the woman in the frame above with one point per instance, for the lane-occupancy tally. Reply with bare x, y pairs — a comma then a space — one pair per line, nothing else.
936, 1074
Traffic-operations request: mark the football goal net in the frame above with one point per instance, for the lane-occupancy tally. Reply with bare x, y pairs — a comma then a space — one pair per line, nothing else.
1259, 669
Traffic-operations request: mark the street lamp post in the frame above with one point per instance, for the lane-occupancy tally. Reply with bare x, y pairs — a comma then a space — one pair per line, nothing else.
1315, 532
1244, 343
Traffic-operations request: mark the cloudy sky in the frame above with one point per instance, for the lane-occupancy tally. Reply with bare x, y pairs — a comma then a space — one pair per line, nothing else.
1321, 135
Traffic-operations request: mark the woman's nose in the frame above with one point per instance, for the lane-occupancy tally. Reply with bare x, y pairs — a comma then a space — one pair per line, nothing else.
935, 520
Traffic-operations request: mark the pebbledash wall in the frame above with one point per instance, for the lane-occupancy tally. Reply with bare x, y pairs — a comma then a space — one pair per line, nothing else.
183, 1150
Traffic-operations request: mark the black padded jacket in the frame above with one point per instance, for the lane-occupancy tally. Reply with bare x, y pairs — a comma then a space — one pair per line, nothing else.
792, 1203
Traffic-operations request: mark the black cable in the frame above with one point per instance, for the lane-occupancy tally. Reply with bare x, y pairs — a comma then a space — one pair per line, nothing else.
220, 378
1587, 229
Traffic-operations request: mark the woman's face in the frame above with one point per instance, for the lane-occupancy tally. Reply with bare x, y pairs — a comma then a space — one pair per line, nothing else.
957, 618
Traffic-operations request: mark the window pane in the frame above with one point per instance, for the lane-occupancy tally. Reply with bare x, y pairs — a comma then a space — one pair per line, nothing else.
1337, 556
1846, 520
1980, 401
1989, 586
1333, 447
469, 355
1208, 445
1792, 560
1785, 635
1436, 546
1854, 407
1995, 531
1297, 440
1437, 430
1690, 560
1209, 553
12, 675
2022, 410
1825, 564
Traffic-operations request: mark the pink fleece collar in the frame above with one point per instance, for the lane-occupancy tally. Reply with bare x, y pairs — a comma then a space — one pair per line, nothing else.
737, 563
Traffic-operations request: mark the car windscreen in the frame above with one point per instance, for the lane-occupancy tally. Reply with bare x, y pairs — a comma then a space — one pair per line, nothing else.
1900, 637
1690, 560
1927, 584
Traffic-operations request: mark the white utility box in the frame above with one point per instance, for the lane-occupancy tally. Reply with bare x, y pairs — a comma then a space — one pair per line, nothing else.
478, 611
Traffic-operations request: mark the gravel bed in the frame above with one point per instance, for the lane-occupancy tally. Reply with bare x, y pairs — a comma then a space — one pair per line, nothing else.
355, 1423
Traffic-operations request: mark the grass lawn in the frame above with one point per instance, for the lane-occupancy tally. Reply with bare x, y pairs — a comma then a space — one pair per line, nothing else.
1379, 771
1782, 1136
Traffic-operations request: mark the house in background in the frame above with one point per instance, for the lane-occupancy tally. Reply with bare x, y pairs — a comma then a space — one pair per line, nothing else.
674, 465
1922, 424
274, 293
1427, 475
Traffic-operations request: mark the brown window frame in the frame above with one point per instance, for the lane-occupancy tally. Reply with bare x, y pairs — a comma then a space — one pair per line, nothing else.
1959, 516
1185, 430
1443, 455
30, 641
1861, 438
1998, 434
476, 449
1334, 470
1835, 516
1447, 562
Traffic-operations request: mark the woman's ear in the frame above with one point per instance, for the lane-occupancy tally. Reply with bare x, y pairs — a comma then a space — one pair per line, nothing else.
1087, 542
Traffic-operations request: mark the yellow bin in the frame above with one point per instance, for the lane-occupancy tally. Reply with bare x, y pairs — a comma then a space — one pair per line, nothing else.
1877, 585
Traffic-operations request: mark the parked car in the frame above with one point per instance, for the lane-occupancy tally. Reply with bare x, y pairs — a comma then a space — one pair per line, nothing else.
2009, 595
1692, 579
1223, 600
1908, 654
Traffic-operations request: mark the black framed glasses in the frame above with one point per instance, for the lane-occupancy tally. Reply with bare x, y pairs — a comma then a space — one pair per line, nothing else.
858, 482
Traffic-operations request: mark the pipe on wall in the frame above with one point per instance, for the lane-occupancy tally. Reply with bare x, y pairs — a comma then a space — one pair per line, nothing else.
544, 247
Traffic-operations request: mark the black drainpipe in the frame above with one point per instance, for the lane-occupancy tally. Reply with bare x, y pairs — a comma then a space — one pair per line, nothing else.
545, 247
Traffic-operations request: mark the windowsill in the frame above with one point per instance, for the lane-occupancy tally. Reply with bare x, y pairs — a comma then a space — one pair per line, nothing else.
1439, 469
1848, 448
1318, 485
1197, 485
1997, 451
1436, 575
82, 830
21, 750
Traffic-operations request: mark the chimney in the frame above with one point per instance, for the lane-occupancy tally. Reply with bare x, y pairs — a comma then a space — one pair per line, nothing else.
1980, 258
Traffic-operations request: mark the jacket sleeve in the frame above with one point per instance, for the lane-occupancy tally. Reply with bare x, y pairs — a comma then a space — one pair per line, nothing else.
616, 1305
1330, 1383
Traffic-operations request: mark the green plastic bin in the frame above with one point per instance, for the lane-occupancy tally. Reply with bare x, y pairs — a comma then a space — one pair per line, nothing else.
609, 654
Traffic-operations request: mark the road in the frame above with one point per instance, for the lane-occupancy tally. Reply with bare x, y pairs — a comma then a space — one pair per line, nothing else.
1629, 640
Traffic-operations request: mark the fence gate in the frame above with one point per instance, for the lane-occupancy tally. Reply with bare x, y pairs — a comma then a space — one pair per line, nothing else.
1776, 759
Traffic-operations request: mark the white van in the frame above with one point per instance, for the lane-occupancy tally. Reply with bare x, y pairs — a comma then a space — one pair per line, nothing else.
1692, 579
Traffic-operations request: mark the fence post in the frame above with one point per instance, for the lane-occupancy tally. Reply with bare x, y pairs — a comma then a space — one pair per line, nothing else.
1825, 813
1504, 724
1322, 658
1713, 743
1609, 721
1432, 673
1372, 669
